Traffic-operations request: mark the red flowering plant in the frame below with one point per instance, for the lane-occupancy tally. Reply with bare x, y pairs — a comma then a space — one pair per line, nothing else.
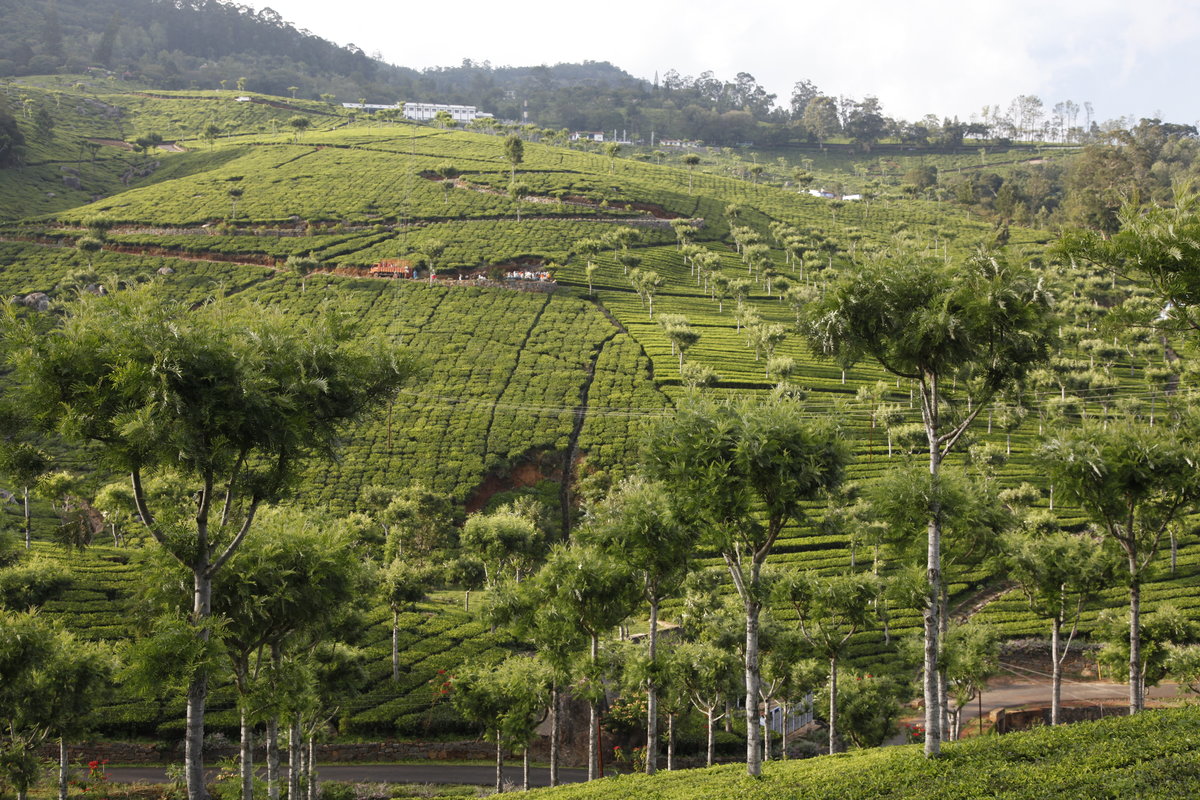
625, 716
95, 785
440, 685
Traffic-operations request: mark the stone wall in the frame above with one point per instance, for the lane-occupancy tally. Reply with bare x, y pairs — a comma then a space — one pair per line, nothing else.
1007, 721
156, 753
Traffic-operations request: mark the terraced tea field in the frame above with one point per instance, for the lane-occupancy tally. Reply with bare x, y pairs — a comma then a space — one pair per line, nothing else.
518, 387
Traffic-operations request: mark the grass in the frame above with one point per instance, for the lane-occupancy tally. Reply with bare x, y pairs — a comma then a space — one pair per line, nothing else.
1152, 755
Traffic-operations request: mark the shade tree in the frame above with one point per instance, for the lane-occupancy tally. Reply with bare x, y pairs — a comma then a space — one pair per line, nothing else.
1059, 573
508, 544
740, 472
980, 325
524, 610
514, 154
50, 683
970, 657
231, 401
708, 675
508, 699
829, 612
1133, 481
636, 524
586, 590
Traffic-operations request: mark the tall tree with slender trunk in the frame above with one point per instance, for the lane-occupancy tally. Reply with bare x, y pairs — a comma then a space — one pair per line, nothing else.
1133, 481
979, 326
740, 472
829, 612
585, 588
1059, 573
522, 608
514, 154
636, 524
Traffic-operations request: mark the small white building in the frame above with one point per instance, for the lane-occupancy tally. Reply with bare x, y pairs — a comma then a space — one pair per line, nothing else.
370, 106
427, 112
243, 99
587, 136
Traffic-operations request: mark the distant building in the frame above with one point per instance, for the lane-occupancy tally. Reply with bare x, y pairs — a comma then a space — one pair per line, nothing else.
371, 106
587, 136
393, 268
243, 99
678, 143
427, 112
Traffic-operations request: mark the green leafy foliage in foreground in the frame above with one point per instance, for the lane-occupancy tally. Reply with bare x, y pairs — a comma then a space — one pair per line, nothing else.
1151, 755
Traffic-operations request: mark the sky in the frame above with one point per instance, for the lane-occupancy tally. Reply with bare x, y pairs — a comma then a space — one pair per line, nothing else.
945, 57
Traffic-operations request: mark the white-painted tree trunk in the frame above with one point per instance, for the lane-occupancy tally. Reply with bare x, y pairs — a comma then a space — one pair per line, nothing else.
64, 768
652, 694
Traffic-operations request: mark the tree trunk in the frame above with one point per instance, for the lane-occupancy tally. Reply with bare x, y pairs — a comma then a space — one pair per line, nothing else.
1135, 644
197, 693
64, 768
499, 764
247, 756
554, 735
834, 745
943, 680
28, 518
933, 568
670, 742
594, 721
708, 718
273, 758
1055, 670
310, 764
783, 729
294, 759
753, 756
652, 694
525, 770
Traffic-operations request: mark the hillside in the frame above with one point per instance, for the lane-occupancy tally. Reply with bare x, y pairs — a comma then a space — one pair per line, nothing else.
537, 392
1152, 755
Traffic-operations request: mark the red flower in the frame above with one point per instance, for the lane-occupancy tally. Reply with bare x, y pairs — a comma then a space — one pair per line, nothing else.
93, 764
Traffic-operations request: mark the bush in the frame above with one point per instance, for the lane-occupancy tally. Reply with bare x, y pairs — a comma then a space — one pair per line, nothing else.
31, 584
336, 790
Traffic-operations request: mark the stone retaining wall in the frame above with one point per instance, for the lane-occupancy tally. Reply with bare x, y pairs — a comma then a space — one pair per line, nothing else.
156, 753
1007, 721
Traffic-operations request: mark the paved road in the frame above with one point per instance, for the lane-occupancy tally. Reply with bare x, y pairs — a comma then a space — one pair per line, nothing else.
1019, 694
432, 772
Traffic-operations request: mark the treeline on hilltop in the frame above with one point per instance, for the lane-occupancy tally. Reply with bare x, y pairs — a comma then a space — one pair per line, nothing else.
1147, 161
209, 44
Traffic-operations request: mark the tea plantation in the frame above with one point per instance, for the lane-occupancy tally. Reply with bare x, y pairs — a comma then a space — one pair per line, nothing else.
529, 389
1152, 755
